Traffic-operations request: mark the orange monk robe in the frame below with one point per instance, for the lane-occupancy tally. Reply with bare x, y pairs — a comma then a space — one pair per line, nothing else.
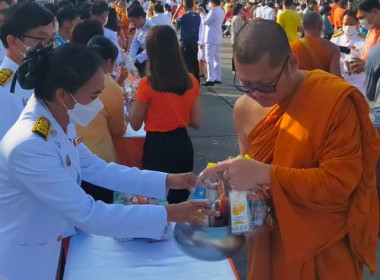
311, 54
323, 149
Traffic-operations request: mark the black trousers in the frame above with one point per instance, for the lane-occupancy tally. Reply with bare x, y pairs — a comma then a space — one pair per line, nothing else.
190, 55
98, 193
170, 152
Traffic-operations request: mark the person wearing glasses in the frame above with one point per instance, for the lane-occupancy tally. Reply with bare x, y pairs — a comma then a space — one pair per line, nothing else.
4, 6
36, 27
314, 151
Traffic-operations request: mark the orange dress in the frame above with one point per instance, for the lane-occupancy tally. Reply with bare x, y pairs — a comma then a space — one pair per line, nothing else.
323, 149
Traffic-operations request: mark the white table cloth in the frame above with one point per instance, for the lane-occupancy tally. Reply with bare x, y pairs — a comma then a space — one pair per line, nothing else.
104, 258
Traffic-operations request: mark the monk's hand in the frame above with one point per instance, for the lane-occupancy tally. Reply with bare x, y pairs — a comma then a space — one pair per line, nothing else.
194, 212
243, 174
181, 181
357, 66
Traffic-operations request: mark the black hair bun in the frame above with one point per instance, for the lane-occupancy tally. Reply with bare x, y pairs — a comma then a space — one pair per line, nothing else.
34, 66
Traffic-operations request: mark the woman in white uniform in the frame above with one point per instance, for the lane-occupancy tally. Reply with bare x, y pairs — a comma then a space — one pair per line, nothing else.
42, 163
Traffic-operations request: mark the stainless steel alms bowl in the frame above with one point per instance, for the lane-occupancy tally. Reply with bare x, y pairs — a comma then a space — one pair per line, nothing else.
207, 243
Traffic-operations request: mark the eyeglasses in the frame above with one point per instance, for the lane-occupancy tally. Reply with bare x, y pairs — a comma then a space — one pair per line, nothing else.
43, 41
263, 89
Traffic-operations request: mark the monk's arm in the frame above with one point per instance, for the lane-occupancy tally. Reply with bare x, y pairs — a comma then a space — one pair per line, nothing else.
335, 62
239, 116
340, 165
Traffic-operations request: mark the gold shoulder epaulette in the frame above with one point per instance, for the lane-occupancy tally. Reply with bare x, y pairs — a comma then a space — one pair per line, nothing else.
5, 76
337, 34
148, 26
42, 127
364, 36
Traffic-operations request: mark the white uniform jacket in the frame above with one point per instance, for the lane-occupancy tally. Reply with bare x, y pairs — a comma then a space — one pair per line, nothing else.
139, 42
213, 26
357, 41
112, 35
13, 97
41, 200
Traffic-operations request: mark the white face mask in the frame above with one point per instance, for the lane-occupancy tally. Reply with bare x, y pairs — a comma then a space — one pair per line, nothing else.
349, 30
84, 114
25, 46
365, 24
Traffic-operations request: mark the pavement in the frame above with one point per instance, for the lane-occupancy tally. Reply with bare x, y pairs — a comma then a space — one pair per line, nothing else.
216, 139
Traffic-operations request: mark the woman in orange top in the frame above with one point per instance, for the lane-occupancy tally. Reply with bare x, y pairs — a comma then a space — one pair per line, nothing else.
167, 99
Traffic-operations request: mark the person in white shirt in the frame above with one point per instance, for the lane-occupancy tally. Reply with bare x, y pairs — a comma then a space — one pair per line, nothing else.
213, 40
351, 38
99, 12
168, 11
146, 5
159, 17
266, 12
202, 10
137, 51
18, 36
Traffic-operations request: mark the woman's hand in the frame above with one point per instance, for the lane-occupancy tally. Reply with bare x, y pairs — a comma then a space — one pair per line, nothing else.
193, 212
244, 174
181, 181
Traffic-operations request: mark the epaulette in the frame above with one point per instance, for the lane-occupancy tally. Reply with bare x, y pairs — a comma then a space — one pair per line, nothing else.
42, 127
6, 75
148, 26
337, 34
364, 36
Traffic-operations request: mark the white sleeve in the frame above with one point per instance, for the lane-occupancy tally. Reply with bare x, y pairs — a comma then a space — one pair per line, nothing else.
121, 178
210, 18
38, 170
134, 47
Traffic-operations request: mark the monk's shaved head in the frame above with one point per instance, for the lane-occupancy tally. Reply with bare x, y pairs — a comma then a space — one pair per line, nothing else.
258, 38
312, 21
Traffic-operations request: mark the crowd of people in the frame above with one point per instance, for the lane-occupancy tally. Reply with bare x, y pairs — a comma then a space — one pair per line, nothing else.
73, 74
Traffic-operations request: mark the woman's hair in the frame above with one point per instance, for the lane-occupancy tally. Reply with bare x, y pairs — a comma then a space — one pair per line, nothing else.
166, 69
112, 20
237, 9
68, 67
103, 47
84, 31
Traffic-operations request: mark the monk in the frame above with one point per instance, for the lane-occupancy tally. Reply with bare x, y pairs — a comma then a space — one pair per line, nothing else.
314, 52
313, 143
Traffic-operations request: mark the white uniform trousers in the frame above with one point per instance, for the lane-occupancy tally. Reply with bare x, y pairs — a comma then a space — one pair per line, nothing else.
214, 64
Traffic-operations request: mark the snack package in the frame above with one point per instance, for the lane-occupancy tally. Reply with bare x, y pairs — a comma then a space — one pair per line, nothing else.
210, 188
240, 220
130, 199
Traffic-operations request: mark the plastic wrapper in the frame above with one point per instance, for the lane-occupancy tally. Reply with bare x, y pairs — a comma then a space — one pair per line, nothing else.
129, 199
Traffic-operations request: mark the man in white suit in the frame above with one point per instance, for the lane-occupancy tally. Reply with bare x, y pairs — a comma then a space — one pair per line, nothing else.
99, 12
213, 40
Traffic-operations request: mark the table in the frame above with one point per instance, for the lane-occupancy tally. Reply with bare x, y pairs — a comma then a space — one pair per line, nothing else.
129, 148
104, 258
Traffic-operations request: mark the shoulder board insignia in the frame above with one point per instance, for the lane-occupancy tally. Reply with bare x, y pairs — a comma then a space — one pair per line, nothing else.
364, 36
5, 76
148, 26
42, 127
337, 34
